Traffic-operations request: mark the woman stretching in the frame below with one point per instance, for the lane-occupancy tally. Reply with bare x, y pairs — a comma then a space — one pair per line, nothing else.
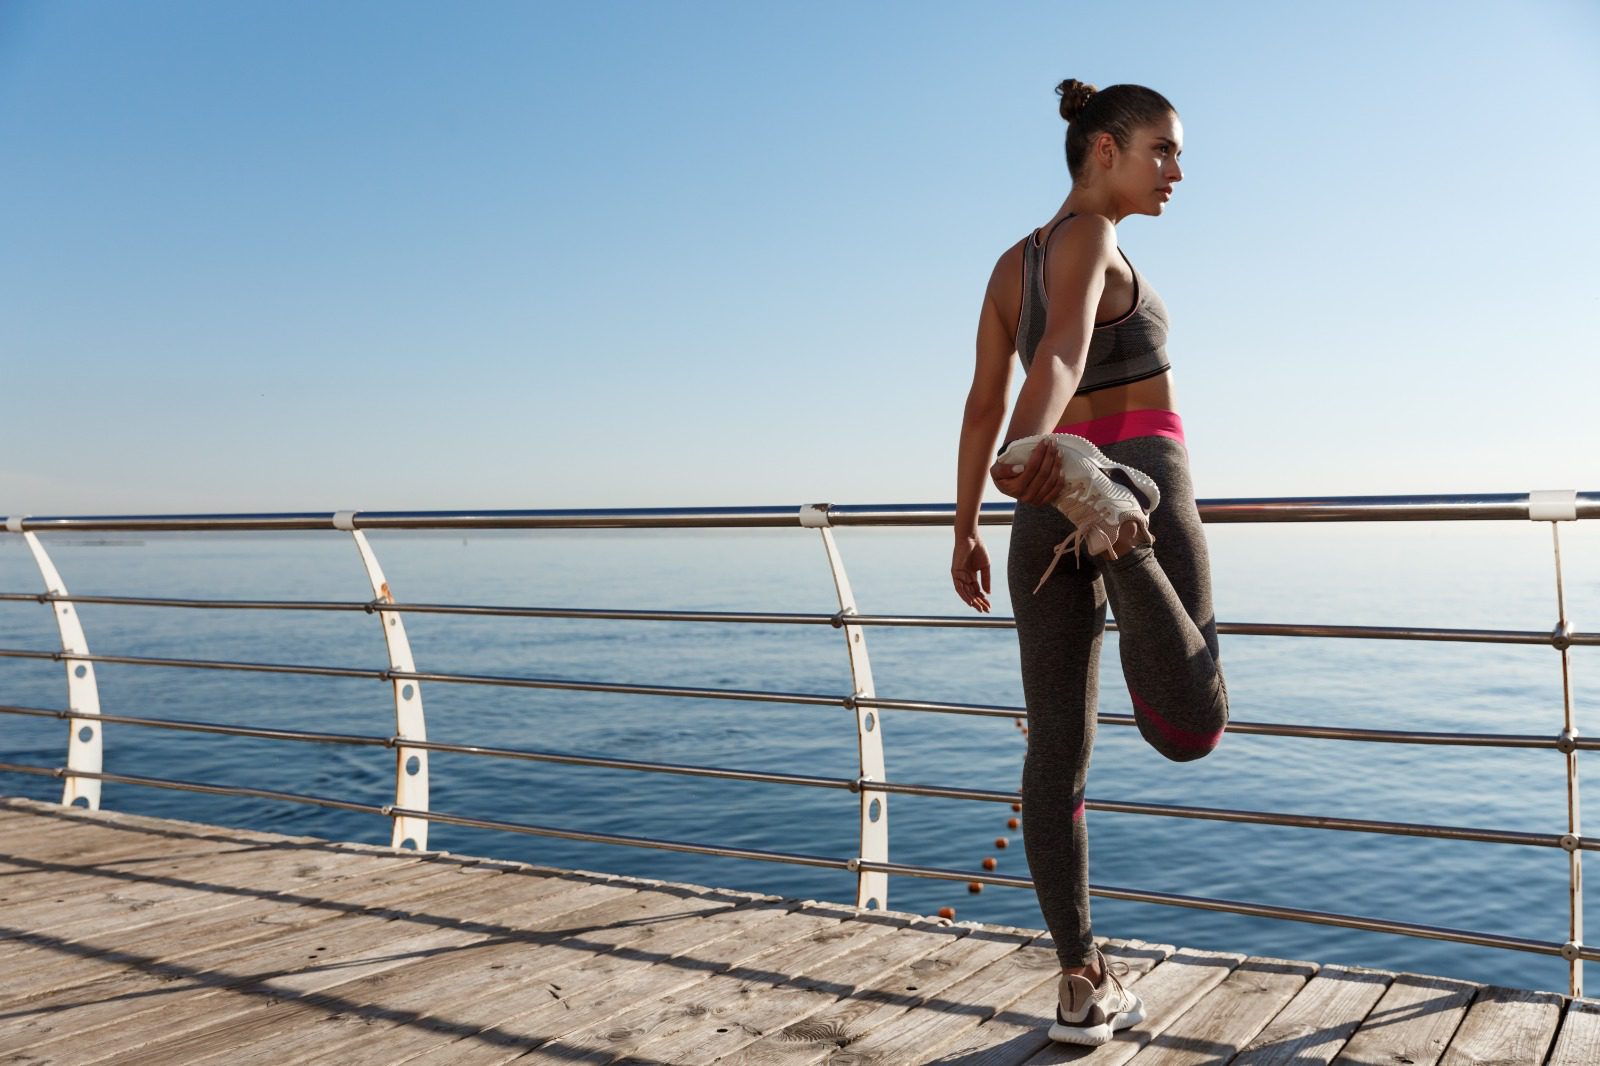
1095, 458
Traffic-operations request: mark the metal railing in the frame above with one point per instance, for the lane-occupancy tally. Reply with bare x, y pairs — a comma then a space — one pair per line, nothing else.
411, 814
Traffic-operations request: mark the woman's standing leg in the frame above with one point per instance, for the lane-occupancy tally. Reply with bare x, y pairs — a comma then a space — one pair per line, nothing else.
1166, 626
1058, 634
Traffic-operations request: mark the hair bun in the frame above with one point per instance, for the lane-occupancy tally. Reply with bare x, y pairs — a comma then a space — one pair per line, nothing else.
1074, 97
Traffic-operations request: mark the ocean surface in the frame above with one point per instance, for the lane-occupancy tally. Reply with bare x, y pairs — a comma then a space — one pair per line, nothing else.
1493, 575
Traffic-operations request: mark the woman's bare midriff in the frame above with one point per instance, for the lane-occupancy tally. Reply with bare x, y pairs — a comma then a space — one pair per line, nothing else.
1155, 393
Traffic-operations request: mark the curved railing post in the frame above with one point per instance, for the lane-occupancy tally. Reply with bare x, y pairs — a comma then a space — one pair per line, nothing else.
84, 749
872, 886
1556, 507
410, 764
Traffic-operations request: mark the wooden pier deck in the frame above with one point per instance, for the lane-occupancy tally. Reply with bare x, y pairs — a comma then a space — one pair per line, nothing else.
144, 941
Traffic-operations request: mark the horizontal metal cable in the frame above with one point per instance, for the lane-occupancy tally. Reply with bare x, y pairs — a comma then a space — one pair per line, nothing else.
1316, 732
1271, 629
390, 811
1256, 910
1390, 736
848, 784
491, 610
793, 858
1225, 814
748, 695
1483, 636
206, 727
200, 664
195, 786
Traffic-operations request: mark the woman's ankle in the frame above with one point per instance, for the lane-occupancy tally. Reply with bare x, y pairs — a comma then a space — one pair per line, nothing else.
1089, 971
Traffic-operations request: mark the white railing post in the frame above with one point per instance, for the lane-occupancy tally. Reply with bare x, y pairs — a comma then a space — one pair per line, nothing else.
1556, 507
84, 748
410, 764
872, 886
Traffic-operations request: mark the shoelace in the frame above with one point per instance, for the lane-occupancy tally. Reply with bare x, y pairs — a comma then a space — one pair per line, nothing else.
1113, 973
1080, 533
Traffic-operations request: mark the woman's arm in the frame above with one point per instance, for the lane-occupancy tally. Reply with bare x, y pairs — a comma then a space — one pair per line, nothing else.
1075, 278
986, 407
1040, 479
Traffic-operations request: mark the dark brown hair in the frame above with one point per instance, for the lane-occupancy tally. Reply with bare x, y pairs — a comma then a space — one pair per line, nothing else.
1116, 109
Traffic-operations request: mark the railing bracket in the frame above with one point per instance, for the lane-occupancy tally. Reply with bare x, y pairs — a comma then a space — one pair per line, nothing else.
1553, 505
1561, 635
815, 516
1571, 842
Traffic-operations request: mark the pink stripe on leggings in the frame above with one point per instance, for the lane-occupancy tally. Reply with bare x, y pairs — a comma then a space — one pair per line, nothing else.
1077, 812
1182, 738
1108, 429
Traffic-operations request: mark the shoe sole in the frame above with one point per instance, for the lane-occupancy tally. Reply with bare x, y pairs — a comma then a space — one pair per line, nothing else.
1070, 446
1095, 1035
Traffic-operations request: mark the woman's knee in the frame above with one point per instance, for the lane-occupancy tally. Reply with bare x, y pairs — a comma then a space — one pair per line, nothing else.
1183, 742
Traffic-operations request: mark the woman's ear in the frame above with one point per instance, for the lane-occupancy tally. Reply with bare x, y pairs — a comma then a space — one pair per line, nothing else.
1103, 149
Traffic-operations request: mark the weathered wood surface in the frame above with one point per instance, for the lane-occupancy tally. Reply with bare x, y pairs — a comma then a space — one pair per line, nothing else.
140, 941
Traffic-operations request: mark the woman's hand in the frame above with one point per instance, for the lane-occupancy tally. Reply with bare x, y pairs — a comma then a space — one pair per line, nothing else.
1039, 481
969, 570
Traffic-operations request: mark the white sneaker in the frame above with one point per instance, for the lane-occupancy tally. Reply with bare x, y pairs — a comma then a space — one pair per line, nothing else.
1099, 496
1089, 1014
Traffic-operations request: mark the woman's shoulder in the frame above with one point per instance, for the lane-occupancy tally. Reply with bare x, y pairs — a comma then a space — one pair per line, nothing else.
1085, 233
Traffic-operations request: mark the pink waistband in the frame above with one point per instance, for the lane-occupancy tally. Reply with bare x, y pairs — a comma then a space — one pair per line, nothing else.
1109, 429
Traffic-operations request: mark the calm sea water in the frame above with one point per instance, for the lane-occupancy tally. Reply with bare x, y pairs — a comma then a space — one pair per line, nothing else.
1494, 575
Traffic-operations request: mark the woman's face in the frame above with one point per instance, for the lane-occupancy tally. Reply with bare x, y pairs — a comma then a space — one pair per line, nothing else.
1147, 170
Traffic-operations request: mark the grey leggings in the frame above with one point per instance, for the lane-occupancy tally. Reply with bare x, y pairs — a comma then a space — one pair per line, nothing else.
1167, 633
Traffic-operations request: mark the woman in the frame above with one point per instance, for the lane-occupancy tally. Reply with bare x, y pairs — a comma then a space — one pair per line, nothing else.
1091, 335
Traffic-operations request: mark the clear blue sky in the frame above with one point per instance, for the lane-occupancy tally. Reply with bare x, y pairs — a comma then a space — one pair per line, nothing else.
396, 255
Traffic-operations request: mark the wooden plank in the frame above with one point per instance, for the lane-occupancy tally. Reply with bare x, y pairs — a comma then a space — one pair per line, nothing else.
434, 1002
939, 1021
1505, 1025
50, 825
1168, 991
58, 848
80, 1008
1019, 1031
562, 916
230, 991
1411, 1024
1225, 1019
48, 961
630, 984
711, 1021
1578, 1043
110, 896
136, 905
287, 940
820, 1012
427, 996
58, 814
1316, 1024
656, 1012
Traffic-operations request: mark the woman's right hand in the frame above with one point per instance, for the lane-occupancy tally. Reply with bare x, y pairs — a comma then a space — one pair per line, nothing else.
1038, 482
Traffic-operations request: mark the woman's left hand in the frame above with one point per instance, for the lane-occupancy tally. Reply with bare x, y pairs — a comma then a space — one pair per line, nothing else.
1039, 481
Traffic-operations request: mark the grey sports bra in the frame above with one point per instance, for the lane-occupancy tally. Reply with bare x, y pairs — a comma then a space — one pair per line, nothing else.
1130, 348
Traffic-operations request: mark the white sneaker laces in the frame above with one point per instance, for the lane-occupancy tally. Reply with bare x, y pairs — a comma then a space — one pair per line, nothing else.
1088, 524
